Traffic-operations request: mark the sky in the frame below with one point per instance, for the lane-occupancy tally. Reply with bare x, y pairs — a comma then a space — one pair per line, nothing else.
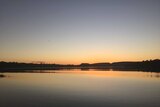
76, 31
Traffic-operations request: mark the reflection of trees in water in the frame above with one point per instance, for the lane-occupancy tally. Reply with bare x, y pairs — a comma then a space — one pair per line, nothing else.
2, 75
152, 75
157, 75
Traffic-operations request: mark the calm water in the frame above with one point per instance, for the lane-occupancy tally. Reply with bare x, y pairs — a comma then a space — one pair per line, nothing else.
80, 89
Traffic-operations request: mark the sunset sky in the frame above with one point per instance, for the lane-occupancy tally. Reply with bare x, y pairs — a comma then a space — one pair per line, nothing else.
76, 31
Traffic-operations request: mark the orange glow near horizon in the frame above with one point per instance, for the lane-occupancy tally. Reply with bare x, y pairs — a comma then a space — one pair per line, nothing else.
75, 61
77, 57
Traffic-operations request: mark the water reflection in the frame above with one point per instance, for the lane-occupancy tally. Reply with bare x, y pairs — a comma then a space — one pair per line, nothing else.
115, 73
80, 89
2, 76
140, 74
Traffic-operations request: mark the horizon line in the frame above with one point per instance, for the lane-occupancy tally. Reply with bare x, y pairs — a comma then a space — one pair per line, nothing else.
43, 62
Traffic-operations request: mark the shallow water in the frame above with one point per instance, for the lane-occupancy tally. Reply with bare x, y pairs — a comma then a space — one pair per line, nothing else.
76, 88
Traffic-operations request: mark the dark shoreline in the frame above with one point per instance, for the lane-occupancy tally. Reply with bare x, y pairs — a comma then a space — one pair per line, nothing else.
68, 69
147, 66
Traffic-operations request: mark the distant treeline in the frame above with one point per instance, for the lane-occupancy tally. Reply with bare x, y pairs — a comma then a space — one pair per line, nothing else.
147, 65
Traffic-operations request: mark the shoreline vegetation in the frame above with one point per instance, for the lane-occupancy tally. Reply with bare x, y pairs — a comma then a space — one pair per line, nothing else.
147, 65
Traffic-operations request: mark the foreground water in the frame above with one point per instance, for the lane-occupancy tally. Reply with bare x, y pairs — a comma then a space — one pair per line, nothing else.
80, 89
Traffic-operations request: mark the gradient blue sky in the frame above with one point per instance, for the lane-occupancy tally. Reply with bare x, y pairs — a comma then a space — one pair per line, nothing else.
75, 31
